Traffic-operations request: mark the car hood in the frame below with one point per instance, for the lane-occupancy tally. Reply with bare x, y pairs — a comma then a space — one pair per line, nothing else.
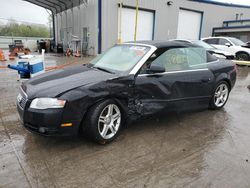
242, 48
246, 46
223, 52
54, 83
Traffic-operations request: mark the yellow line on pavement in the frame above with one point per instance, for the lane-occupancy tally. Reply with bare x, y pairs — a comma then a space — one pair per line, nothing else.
242, 62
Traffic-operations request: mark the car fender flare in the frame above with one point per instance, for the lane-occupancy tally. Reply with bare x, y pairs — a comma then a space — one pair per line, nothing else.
224, 77
121, 103
245, 52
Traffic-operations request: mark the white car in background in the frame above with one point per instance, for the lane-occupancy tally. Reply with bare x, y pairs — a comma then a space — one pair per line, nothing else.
232, 45
211, 49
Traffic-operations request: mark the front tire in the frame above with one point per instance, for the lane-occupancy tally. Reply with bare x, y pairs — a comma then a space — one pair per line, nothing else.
220, 96
104, 122
242, 56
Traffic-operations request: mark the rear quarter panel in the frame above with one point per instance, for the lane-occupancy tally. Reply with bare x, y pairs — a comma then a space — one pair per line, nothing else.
224, 70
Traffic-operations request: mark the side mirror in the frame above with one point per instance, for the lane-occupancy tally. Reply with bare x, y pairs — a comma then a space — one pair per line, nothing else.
156, 69
228, 44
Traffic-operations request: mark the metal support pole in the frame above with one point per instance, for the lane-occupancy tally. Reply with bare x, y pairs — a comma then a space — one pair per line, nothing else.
53, 25
120, 22
99, 26
136, 19
67, 37
61, 27
79, 19
80, 25
57, 29
72, 12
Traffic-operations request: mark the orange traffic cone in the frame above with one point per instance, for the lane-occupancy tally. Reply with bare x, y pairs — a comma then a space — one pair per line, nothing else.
77, 53
68, 52
2, 58
13, 54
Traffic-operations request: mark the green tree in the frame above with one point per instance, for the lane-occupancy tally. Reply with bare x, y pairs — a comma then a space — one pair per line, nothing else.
23, 30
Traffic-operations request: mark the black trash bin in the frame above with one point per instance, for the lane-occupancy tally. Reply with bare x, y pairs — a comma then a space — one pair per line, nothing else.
11, 47
59, 48
42, 45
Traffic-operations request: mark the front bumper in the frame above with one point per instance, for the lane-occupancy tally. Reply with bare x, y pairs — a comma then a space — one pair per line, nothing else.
46, 122
230, 57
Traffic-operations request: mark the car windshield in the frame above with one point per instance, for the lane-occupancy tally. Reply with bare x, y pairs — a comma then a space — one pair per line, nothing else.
237, 42
203, 44
120, 58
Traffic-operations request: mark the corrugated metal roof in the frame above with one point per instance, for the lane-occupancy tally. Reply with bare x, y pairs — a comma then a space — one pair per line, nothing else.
57, 6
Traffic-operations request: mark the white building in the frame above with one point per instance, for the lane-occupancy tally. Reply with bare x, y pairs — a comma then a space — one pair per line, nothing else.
98, 24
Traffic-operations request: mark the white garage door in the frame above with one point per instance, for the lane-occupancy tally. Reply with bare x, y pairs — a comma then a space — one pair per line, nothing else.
144, 27
189, 25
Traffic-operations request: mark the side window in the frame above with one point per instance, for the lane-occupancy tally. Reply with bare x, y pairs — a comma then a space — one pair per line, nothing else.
197, 57
212, 41
177, 59
172, 60
223, 42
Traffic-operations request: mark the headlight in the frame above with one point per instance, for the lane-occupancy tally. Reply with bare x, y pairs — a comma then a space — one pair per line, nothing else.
45, 103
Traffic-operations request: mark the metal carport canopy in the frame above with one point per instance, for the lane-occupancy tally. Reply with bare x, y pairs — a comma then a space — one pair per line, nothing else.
57, 6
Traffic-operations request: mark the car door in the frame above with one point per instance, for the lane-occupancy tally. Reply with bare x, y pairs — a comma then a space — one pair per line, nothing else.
223, 45
186, 83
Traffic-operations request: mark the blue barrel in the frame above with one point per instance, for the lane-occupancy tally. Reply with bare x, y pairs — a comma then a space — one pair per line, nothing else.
24, 65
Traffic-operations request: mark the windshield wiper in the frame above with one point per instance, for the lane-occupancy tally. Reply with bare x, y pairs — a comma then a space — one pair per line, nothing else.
103, 69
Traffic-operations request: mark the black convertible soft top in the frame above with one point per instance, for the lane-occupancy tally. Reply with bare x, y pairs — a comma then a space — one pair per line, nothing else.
165, 44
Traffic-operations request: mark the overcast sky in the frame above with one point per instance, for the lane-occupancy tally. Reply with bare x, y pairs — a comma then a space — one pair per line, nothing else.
24, 11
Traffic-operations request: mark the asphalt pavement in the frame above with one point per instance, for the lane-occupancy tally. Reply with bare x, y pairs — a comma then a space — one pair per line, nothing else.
195, 149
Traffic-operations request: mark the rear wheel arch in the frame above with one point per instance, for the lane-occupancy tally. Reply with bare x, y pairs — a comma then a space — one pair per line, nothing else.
212, 103
242, 52
223, 77
228, 82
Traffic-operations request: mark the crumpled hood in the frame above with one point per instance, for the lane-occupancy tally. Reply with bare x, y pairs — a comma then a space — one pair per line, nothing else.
54, 83
223, 52
246, 46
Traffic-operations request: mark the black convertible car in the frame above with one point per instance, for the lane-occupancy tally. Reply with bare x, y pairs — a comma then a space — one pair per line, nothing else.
127, 82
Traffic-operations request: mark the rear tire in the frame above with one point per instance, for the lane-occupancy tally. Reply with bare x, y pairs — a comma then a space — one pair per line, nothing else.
103, 122
242, 56
220, 96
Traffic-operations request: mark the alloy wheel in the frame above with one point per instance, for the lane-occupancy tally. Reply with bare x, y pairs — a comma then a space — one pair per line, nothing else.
109, 121
242, 57
221, 95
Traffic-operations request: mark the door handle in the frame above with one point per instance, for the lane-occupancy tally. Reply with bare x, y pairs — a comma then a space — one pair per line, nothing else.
205, 80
